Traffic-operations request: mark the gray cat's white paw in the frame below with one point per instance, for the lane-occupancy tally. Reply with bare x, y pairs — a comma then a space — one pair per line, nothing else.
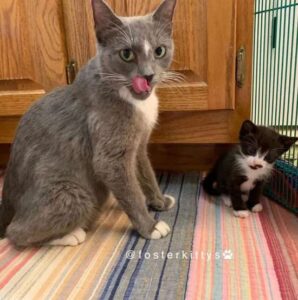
227, 200
241, 213
79, 234
257, 208
161, 229
171, 201
74, 238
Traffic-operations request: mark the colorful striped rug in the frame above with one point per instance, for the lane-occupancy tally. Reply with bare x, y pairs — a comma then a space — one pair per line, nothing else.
209, 255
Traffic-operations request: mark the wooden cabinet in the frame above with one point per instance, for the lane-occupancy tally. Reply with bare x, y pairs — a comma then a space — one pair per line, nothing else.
39, 38
32, 57
32, 47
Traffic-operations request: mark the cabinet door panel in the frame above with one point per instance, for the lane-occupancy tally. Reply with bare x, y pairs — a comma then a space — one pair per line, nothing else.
32, 49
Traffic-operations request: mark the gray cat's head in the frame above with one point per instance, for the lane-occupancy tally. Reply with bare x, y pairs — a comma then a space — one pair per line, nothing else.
134, 52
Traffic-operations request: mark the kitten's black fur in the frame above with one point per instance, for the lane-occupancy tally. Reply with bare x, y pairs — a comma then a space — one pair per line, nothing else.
230, 171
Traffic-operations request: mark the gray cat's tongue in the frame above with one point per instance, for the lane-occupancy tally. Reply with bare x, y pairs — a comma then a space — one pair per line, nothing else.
140, 85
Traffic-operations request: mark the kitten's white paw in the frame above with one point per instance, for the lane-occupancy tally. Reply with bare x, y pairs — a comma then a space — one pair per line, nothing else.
171, 202
227, 200
257, 208
74, 238
241, 213
161, 230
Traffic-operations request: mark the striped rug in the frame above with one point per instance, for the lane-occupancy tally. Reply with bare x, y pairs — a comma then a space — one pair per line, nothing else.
210, 254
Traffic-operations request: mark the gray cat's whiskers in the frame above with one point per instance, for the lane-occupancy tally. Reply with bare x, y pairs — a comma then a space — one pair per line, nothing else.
118, 79
177, 89
171, 79
112, 76
172, 76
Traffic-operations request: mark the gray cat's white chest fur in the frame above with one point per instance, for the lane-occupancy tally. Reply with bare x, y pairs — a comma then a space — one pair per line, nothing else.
148, 107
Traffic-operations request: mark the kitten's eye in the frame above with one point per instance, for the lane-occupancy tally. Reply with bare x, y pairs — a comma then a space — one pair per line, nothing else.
160, 52
127, 55
251, 150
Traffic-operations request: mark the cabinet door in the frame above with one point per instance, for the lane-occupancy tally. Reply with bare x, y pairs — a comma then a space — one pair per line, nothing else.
216, 125
32, 53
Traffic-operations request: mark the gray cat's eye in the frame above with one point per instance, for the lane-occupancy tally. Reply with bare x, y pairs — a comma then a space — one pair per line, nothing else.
160, 52
127, 55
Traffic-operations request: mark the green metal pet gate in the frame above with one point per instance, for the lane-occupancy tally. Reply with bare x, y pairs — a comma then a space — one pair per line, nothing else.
275, 88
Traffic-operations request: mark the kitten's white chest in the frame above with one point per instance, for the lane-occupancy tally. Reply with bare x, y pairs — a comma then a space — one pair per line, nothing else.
251, 174
248, 185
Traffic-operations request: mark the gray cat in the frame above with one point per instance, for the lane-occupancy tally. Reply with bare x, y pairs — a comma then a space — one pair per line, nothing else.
83, 141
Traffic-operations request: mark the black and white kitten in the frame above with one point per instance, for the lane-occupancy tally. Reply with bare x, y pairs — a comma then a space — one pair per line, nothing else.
239, 175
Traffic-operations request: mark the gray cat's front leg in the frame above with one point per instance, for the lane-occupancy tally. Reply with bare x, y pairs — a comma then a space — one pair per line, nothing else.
147, 179
123, 182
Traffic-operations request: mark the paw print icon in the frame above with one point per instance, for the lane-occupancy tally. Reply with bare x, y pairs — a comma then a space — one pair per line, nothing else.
227, 254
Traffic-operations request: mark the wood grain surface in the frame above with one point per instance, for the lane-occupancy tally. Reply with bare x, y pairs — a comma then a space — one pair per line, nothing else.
79, 30
16, 103
32, 43
181, 157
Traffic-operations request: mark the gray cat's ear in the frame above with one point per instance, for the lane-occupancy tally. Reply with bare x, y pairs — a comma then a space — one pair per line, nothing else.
104, 18
164, 13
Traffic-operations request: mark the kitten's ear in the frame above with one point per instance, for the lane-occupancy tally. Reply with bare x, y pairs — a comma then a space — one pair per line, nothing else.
287, 141
248, 127
104, 19
164, 13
